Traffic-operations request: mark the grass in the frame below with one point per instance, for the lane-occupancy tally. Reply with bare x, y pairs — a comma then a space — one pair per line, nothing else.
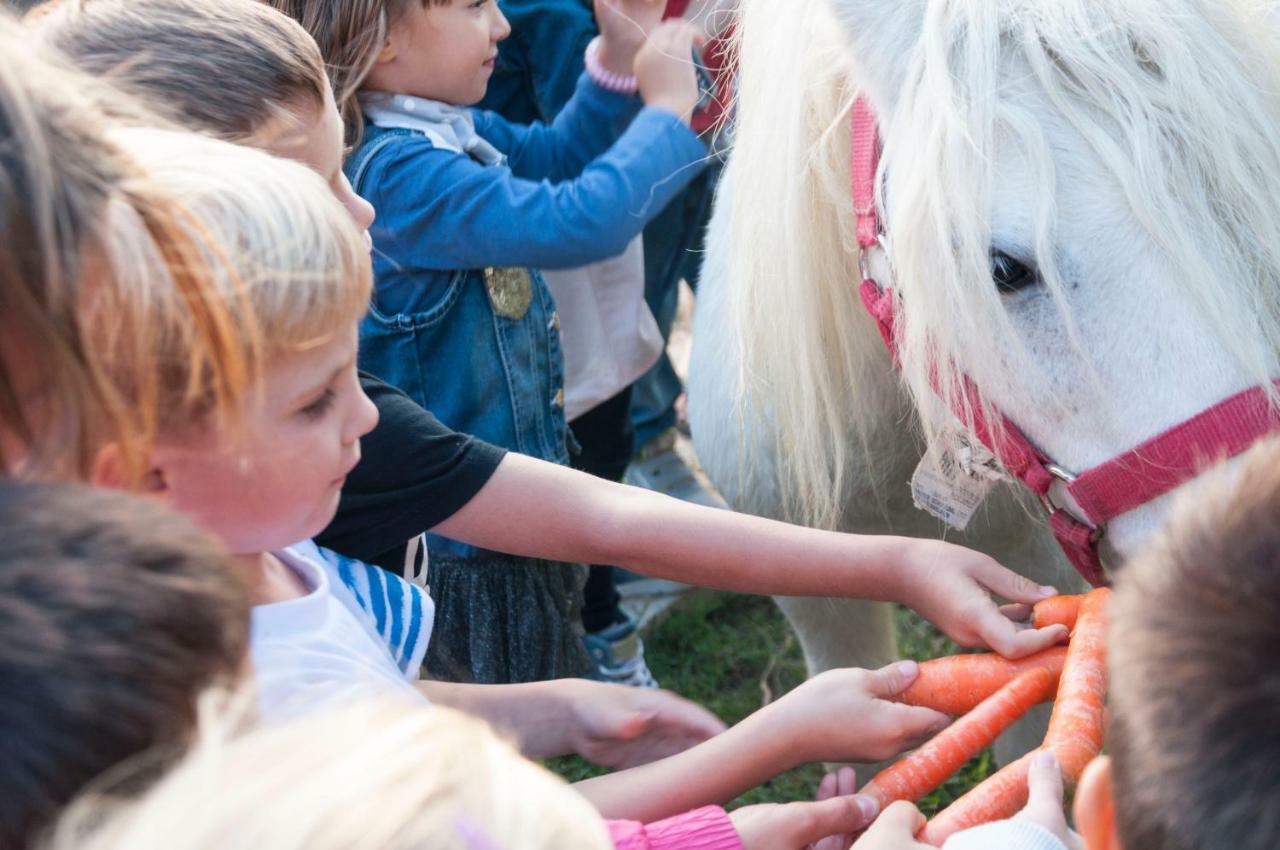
733, 653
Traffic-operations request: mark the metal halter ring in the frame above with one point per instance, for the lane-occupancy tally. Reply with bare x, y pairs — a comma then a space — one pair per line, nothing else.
1052, 507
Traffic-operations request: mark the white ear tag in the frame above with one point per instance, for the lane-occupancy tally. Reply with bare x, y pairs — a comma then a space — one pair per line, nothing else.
953, 479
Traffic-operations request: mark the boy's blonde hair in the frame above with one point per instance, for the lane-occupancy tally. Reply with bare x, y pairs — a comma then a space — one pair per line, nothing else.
86, 235
300, 270
379, 776
351, 34
233, 68
1195, 732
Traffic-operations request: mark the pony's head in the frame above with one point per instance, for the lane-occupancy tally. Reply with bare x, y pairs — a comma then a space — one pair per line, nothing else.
1082, 201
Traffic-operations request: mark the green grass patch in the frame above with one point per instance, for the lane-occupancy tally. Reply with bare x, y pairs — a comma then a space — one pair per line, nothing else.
733, 653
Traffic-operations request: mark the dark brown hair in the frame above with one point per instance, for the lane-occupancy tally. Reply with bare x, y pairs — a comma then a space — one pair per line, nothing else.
115, 614
1195, 687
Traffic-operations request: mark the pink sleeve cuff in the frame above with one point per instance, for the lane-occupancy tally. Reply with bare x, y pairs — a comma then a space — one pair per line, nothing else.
707, 828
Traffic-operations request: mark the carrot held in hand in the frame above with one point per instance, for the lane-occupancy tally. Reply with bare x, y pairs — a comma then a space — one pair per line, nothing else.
1076, 725
1001, 795
929, 766
956, 684
1056, 611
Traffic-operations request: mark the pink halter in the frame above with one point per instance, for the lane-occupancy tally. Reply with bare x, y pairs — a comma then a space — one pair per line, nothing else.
1104, 492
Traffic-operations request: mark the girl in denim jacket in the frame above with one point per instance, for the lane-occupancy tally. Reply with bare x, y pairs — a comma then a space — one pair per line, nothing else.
469, 207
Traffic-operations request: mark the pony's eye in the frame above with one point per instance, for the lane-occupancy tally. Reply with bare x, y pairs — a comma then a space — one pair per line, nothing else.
1011, 275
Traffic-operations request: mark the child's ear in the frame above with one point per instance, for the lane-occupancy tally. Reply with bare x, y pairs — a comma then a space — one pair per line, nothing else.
388, 53
112, 471
1095, 807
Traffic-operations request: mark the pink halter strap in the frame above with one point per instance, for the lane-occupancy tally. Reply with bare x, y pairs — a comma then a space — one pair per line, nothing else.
1104, 492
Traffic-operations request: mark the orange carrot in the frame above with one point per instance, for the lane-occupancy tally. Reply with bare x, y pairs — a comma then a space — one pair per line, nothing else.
1076, 725
1075, 730
1001, 795
956, 684
1057, 610
929, 766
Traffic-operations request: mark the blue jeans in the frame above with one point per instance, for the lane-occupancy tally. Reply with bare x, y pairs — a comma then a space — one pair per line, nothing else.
672, 250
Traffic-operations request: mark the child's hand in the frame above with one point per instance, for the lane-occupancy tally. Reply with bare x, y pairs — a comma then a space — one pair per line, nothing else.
798, 826
951, 587
842, 783
619, 727
624, 27
1044, 802
894, 830
849, 715
664, 69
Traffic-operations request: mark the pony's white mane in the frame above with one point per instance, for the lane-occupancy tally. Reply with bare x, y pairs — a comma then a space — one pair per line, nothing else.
1179, 99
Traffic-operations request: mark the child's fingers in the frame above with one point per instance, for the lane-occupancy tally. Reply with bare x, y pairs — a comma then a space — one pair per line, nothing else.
1007, 584
896, 827
837, 816
890, 681
826, 788
846, 781
1006, 638
1045, 790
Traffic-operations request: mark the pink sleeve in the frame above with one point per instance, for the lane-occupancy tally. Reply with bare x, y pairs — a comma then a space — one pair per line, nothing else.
707, 828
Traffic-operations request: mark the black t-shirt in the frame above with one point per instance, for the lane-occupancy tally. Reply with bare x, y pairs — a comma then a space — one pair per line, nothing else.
414, 473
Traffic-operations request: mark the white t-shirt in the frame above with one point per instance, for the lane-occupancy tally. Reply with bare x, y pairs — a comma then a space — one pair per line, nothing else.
607, 334
327, 647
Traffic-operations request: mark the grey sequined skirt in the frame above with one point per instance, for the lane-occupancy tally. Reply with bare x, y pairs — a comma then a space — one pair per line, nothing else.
502, 619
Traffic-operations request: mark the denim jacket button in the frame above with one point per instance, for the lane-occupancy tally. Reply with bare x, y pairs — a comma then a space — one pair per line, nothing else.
554, 324
558, 401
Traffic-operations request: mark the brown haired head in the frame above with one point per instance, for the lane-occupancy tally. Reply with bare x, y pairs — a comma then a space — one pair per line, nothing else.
88, 246
115, 614
1195, 736
351, 34
231, 68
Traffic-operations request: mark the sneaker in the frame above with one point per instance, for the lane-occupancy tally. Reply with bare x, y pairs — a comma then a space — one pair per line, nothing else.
618, 655
658, 466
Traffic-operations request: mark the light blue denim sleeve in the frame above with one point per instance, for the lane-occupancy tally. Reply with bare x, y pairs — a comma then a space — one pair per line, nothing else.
402, 613
440, 210
585, 128
1005, 835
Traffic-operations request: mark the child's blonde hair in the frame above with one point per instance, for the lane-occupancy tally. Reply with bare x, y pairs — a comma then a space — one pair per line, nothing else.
300, 271
89, 243
378, 776
233, 69
351, 34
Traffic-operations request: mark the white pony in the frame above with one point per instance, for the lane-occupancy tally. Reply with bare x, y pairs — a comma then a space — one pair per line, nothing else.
1082, 199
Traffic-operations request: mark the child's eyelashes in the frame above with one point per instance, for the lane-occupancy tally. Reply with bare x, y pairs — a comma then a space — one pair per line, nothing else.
320, 406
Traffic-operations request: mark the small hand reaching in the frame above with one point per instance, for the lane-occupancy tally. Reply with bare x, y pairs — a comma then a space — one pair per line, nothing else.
952, 588
803, 826
621, 727
851, 715
664, 68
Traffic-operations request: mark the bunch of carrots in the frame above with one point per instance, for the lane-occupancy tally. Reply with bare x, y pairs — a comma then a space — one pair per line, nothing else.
988, 693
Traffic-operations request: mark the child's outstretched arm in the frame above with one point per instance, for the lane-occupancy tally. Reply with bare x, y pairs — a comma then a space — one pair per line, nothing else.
572, 516
840, 715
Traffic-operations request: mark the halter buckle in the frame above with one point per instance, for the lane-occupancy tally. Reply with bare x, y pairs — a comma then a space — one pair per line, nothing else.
1052, 506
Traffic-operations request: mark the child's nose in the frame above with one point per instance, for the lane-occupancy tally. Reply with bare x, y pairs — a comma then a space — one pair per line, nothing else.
363, 420
501, 26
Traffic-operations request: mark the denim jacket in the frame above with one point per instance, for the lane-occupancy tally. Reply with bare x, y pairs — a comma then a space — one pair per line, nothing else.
461, 320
